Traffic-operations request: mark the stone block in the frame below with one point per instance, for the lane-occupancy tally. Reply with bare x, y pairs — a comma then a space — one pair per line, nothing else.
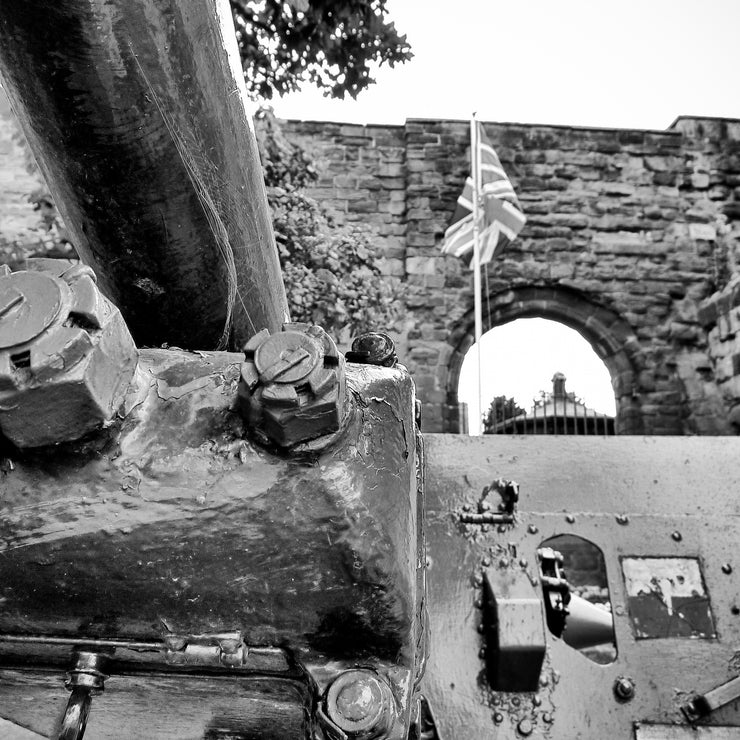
702, 231
392, 267
423, 265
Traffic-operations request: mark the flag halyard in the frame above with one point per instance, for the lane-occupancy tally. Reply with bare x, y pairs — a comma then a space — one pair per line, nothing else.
501, 214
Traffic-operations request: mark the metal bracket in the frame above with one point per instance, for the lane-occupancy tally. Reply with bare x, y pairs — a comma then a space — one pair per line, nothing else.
704, 704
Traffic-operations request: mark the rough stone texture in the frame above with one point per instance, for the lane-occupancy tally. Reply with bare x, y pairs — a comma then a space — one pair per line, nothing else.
630, 235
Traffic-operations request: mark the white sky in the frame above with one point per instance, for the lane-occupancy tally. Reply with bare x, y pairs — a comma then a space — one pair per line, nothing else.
625, 63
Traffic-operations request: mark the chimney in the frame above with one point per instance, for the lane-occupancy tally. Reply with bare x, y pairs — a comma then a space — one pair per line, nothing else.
558, 385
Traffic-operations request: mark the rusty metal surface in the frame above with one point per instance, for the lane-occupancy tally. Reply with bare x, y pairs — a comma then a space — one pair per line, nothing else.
171, 522
135, 113
634, 497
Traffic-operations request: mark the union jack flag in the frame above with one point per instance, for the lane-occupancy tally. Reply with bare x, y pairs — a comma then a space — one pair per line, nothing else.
501, 215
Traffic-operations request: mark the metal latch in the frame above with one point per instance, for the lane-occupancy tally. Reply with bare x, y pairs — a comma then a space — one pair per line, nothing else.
555, 588
701, 706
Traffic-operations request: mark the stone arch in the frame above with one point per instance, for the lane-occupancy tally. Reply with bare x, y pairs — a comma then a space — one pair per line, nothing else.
611, 337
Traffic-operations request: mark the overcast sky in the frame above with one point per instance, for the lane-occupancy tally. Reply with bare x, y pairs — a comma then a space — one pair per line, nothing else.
628, 64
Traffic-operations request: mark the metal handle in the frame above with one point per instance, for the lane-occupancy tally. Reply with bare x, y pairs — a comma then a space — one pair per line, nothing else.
75, 716
85, 678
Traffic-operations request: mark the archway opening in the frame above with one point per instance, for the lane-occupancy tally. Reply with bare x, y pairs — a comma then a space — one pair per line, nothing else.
520, 361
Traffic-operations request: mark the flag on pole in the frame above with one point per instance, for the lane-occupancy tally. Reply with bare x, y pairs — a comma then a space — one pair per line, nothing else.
501, 215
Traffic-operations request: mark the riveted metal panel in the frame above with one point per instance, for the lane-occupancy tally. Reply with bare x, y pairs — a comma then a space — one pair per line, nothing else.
634, 498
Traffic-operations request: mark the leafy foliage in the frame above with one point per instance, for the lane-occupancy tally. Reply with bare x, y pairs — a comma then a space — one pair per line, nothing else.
332, 274
48, 236
501, 409
329, 43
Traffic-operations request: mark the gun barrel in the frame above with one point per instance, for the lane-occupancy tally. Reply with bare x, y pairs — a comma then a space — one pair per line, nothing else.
135, 112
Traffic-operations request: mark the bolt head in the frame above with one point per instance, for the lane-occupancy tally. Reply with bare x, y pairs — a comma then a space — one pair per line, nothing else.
373, 348
292, 387
359, 702
65, 371
624, 689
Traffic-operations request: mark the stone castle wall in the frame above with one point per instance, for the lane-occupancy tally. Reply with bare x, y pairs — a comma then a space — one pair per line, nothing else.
630, 233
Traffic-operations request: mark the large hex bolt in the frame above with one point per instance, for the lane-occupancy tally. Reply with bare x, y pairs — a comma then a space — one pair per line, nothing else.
292, 386
66, 356
361, 704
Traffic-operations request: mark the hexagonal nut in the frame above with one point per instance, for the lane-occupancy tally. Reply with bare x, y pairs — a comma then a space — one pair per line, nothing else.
66, 355
360, 704
292, 386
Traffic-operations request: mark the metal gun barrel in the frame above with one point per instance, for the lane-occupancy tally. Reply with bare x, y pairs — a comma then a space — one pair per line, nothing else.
135, 113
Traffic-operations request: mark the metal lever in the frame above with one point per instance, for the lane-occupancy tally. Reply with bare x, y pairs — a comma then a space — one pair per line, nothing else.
701, 706
84, 681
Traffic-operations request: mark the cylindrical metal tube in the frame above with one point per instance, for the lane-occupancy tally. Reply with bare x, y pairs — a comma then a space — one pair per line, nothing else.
135, 113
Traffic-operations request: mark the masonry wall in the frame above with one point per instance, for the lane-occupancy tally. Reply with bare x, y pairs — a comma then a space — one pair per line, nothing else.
629, 234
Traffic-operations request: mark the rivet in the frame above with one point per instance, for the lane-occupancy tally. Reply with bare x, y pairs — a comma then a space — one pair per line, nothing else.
547, 718
524, 727
515, 701
498, 718
482, 653
501, 528
484, 528
486, 561
536, 701
570, 518
466, 507
478, 603
524, 562
677, 536
503, 563
481, 628
622, 519
727, 569
532, 529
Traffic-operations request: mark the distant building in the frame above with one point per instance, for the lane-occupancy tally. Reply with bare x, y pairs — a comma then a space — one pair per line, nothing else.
559, 412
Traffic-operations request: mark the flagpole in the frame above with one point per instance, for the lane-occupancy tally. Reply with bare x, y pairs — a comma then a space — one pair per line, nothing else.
475, 166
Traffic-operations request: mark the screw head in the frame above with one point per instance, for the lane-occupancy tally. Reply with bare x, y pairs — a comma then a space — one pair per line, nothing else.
624, 689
